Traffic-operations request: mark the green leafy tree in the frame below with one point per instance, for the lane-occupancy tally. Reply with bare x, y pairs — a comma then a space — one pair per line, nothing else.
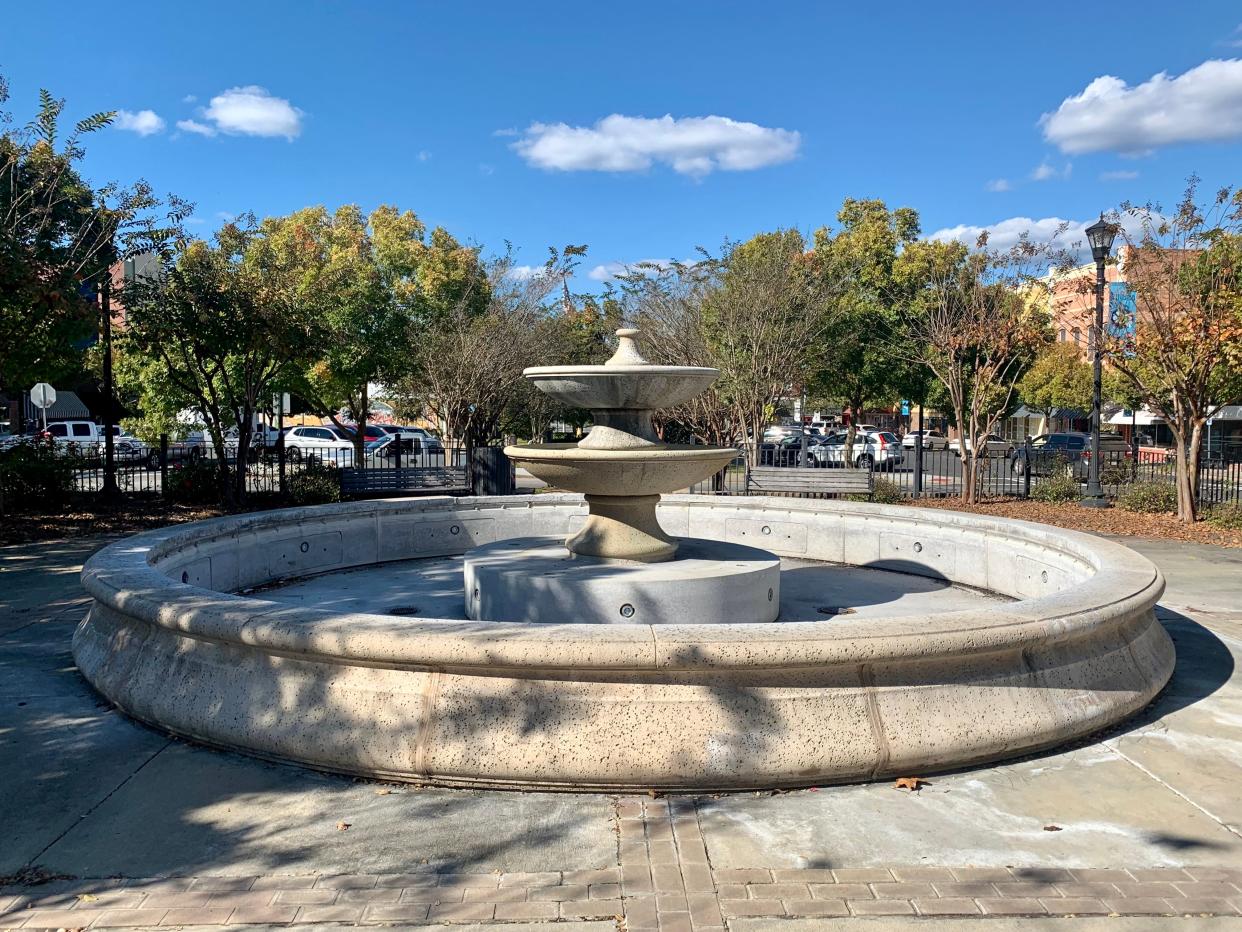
211, 330
58, 237
1058, 378
860, 363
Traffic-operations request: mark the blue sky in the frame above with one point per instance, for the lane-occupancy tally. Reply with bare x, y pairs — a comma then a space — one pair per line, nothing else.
542, 124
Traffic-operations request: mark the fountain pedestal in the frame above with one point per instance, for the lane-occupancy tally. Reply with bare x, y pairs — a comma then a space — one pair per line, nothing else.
536, 579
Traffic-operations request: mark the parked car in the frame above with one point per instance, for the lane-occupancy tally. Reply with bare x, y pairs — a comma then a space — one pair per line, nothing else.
319, 444
429, 441
1067, 448
993, 445
932, 440
383, 452
878, 449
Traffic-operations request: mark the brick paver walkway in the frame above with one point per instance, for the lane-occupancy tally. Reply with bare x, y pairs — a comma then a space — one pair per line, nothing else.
663, 881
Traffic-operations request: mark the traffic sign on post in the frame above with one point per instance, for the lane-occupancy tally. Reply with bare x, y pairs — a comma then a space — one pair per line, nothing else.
43, 396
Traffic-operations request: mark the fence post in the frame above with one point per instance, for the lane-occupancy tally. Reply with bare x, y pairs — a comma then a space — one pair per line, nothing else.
1030, 464
918, 464
164, 465
1134, 456
280, 462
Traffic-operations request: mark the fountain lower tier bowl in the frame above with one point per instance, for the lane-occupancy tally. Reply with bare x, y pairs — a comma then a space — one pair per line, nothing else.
183, 634
652, 470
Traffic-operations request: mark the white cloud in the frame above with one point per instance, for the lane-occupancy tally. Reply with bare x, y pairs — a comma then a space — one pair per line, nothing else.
692, 146
610, 270
524, 272
1120, 175
1202, 105
1006, 234
999, 184
144, 122
1235, 40
1045, 171
252, 111
189, 99
193, 126
423, 155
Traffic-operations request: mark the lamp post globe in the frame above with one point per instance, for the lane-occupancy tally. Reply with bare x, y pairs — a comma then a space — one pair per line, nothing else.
1100, 236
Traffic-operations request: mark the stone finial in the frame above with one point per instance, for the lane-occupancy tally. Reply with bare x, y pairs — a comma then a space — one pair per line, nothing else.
627, 353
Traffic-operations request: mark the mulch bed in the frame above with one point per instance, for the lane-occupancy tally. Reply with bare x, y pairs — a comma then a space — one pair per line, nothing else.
1112, 521
89, 520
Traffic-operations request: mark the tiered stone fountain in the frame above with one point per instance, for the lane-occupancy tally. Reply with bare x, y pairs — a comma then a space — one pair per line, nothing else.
615, 660
620, 566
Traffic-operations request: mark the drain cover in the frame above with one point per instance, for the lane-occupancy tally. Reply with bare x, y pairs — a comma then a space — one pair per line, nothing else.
403, 610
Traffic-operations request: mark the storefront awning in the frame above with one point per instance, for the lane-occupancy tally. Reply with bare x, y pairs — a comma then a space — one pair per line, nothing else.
1142, 418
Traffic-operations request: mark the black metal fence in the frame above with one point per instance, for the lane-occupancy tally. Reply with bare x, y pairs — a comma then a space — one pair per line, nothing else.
173, 469
1012, 470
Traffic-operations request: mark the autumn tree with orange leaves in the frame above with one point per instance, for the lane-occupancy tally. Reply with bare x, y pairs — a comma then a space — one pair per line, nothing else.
1180, 346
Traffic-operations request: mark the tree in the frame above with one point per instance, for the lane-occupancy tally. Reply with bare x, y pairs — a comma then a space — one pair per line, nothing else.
1181, 347
1058, 378
469, 362
763, 325
976, 319
217, 337
859, 363
58, 238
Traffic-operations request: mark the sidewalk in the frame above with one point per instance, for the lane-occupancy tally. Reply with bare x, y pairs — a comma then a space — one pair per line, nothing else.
149, 830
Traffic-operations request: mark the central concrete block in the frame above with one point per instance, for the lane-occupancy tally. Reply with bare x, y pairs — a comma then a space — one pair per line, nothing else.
536, 579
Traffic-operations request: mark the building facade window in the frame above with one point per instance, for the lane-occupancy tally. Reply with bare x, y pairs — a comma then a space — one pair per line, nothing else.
1061, 336
1077, 334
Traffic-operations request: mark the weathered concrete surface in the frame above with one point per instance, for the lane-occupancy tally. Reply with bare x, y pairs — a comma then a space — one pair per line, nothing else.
810, 591
86, 791
993, 924
1162, 790
667, 706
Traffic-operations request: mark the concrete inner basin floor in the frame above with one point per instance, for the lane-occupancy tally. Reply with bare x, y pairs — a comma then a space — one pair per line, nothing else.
1149, 816
810, 591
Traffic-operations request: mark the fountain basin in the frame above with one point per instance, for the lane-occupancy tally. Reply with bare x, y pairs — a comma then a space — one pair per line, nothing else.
177, 637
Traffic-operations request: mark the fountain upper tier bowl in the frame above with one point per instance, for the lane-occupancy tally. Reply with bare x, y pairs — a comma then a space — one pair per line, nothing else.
648, 470
640, 386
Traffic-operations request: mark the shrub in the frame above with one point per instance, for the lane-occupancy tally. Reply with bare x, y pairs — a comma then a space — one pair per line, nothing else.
1227, 516
1148, 498
886, 492
314, 485
1057, 490
195, 482
36, 473
1114, 473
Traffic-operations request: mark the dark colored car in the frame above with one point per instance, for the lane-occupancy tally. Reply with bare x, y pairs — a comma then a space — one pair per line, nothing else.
1068, 448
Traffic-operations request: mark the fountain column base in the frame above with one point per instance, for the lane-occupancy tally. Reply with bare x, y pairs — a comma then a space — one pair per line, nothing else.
623, 527
535, 579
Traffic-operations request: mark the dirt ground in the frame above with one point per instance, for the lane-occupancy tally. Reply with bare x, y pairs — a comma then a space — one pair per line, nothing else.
81, 520
1093, 520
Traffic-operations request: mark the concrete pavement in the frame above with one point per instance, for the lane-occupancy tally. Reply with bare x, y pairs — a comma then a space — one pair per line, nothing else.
1146, 820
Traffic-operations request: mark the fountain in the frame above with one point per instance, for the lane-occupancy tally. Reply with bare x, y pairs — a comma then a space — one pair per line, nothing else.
620, 566
632, 640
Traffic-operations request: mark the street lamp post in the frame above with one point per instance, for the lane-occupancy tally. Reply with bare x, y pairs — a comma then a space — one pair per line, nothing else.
1100, 235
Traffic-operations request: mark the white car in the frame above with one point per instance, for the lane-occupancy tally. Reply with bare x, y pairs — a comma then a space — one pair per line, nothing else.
932, 440
872, 449
329, 445
993, 445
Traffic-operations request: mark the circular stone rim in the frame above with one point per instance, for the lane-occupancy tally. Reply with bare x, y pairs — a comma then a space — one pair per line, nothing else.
998, 681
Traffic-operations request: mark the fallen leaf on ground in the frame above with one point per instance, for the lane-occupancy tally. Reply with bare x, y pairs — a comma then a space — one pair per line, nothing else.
383, 791
1052, 828
87, 897
914, 784
342, 826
